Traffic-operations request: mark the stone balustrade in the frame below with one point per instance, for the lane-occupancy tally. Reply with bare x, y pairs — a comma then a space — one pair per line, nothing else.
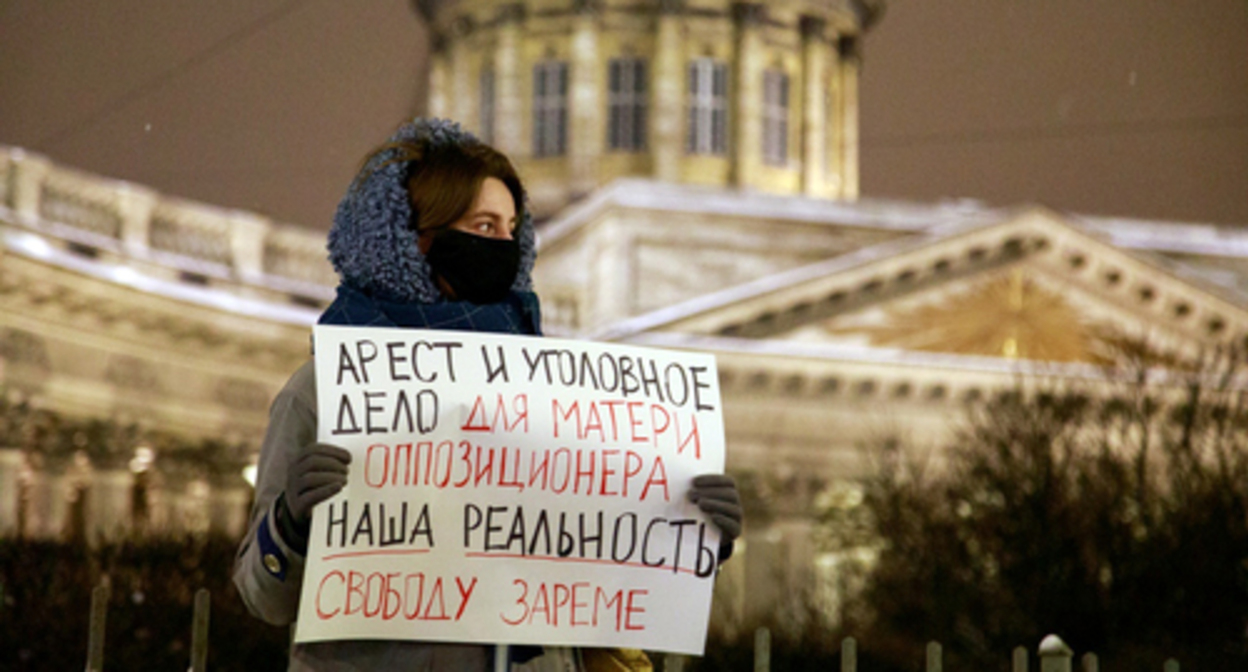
232, 250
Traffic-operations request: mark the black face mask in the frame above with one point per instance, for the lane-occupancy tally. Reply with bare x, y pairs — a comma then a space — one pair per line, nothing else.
478, 269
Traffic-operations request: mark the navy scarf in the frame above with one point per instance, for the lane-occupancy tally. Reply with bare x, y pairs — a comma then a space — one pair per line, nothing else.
520, 313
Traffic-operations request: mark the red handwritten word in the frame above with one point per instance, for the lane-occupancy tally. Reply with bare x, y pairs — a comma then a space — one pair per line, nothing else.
480, 420
446, 464
580, 604
390, 595
631, 421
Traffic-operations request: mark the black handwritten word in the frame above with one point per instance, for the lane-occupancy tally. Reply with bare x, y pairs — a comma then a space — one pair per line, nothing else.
607, 472
614, 421
387, 596
507, 530
384, 412
675, 384
403, 361
580, 603
377, 530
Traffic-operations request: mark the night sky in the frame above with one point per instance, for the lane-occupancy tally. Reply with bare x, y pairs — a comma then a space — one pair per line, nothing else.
1136, 108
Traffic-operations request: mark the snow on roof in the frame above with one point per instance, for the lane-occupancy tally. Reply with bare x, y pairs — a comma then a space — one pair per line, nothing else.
671, 197
1175, 237
1161, 236
33, 246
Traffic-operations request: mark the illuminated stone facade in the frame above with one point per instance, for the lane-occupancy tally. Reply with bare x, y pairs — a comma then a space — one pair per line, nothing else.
125, 307
835, 320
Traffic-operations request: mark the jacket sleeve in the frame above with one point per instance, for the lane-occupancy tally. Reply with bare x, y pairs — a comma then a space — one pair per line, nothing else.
267, 571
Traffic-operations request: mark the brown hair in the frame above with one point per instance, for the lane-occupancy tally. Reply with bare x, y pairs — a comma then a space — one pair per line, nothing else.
443, 181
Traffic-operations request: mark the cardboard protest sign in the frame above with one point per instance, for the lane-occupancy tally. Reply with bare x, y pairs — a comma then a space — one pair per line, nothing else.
507, 489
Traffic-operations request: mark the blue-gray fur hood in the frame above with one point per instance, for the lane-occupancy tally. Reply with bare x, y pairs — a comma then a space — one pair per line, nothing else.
372, 243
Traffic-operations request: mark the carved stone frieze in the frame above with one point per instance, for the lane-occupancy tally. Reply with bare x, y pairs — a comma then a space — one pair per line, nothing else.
133, 374
243, 395
24, 350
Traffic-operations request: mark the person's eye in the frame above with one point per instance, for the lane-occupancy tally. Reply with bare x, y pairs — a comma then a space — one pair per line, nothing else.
485, 226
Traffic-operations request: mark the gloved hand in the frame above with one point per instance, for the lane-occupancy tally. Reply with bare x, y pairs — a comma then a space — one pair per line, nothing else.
317, 474
717, 496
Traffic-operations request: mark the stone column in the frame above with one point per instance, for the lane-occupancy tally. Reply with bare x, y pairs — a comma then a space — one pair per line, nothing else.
29, 171
585, 100
228, 507
248, 233
12, 464
134, 205
611, 281
668, 107
230, 499
462, 82
180, 504
50, 487
439, 85
190, 506
746, 94
763, 569
814, 99
849, 63
109, 514
509, 114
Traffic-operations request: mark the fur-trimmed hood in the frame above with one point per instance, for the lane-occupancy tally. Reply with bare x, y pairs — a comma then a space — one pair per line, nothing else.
372, 243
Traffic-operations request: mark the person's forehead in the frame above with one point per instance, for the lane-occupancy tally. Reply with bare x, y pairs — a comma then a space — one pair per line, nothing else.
495, 195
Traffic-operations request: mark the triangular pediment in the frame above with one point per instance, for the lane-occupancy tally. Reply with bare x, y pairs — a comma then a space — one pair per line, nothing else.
1033, 286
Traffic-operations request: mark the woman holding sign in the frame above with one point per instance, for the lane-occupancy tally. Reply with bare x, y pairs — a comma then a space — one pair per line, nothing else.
432, 234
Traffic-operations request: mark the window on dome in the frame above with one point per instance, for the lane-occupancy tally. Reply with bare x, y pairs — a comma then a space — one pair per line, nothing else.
775, 117
626, 124
550, 108
708, 107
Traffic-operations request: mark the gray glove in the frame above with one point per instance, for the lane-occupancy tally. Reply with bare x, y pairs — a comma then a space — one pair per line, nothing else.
317, 474
716, 495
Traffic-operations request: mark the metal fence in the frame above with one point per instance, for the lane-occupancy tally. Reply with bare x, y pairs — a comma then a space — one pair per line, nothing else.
1053, 654
99, 620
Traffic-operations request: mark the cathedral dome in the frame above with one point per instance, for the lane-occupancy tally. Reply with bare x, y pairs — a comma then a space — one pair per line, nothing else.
752, 95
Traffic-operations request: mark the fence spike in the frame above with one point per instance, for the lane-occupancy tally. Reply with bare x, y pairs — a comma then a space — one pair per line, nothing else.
1091, 663
96, 629
199, 631
1054, 655
1020, 659
762, 650
849, 655
934, 661
1171, 665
